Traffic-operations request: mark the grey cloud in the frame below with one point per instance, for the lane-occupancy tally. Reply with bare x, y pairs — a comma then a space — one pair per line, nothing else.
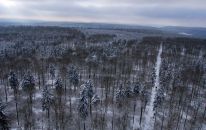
129, 11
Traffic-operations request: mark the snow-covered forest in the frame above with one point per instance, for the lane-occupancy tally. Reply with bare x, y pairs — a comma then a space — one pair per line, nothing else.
58, 78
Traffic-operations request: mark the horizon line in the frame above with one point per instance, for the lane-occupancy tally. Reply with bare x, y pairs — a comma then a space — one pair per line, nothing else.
41, 21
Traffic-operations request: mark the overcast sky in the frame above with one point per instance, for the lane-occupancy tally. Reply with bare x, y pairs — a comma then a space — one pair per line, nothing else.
140, 12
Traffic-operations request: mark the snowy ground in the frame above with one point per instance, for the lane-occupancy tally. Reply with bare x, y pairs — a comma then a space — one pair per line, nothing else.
149, 121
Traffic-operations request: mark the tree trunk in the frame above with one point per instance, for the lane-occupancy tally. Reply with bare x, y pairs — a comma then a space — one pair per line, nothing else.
141, 115
163, 117
5, 89
17, 112
48, 117
134, 112
65, 89
84, 126
90, 106
57, 118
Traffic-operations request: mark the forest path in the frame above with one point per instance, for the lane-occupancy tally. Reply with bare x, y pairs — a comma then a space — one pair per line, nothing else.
149, 121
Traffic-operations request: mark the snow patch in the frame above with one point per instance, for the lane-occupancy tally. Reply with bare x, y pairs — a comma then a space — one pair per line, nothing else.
185, 34
186, 116
50, 82
73, 100
38, 95
135, 124
109, 112
37, 110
